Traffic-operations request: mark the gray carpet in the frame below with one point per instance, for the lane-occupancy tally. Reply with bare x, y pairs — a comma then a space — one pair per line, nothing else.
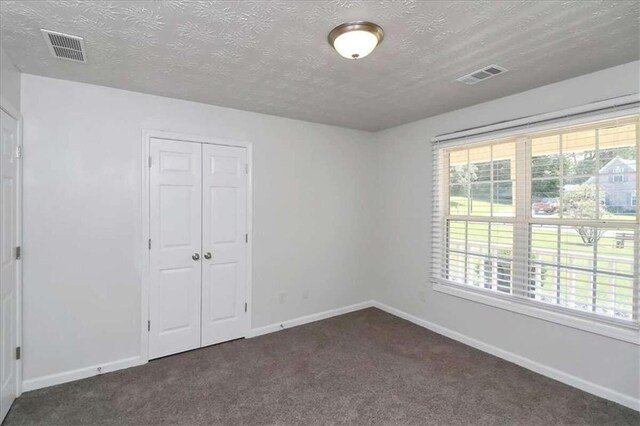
367, 367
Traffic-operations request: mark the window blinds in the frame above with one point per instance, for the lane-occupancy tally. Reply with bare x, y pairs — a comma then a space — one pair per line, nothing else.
547, 217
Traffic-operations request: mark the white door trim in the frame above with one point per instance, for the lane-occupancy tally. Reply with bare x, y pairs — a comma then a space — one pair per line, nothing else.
7, 107
147, 135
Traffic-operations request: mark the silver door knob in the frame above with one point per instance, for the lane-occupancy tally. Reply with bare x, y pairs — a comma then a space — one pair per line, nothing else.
207, 255
195, 256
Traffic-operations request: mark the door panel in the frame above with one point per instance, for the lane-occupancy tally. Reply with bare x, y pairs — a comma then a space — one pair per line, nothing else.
222, 295
174, 301
175, 229
175, 216
8, 263
224, 213
224, 275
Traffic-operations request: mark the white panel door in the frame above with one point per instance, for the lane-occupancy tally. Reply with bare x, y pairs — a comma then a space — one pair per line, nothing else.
224, 226
175, 258
8, 263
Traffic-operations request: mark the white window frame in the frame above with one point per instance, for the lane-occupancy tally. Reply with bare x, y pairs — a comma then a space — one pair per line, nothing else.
556, 314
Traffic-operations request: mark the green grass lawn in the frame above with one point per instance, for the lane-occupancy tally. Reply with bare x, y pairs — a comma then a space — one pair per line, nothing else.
462, 206
558, 255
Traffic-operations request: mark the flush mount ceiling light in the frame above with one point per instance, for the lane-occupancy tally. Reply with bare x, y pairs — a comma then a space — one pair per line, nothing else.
355, 40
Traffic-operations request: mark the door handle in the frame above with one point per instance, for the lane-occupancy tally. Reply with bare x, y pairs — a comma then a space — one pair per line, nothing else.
195, 256
207, 255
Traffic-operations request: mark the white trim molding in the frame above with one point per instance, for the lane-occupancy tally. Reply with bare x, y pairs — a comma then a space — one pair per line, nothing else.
108, 367
254, 332
80, 373
520, 299
545, 370
561, 376
13, 112
545, 313
9, 108
601, 109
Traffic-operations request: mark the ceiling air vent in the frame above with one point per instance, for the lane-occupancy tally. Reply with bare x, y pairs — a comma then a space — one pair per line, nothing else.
65, 46
482, 74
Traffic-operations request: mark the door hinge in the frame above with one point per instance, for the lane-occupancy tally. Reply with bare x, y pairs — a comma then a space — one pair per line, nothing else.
149, 243
148, 325
18, 252
19, 151
18, 352
246, 238
245, 306
149, 161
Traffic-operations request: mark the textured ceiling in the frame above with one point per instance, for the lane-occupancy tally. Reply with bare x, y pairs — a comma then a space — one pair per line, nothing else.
273, 57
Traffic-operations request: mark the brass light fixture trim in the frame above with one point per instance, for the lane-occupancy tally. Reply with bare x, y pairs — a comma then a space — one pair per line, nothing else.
347, 27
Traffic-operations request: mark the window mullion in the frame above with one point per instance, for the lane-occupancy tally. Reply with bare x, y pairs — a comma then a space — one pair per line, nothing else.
521, 226
636, 244
443, 210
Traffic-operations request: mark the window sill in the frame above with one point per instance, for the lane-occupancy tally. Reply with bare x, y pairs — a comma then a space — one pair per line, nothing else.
622, 333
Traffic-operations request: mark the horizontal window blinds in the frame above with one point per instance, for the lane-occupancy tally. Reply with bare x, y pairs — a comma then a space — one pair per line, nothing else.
548, 217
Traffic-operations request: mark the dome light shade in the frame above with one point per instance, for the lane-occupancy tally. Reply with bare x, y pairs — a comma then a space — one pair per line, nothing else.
355, 40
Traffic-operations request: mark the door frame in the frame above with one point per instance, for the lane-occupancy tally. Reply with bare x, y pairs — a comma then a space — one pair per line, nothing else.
7, 107
147, 135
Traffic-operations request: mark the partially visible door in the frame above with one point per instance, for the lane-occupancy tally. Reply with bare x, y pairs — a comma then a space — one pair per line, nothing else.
224, 227
8, 263
175, 263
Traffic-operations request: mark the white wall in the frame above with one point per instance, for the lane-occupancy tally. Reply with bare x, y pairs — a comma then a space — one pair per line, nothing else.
82, 216
9, 81
344, 214
404, 161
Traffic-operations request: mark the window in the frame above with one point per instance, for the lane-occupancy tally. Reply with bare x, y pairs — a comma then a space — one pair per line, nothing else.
546, 218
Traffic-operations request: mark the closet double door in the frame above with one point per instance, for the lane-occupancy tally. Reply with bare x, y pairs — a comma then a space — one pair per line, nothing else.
198, 250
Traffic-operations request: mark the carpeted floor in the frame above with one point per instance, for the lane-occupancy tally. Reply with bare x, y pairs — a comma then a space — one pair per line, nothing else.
361, 368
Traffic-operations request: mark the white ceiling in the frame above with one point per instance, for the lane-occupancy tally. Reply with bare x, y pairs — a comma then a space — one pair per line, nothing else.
273, 57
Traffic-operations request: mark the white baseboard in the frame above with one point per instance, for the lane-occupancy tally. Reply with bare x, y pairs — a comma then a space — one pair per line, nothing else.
83, 373
561, 376
254, 332
80, 373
